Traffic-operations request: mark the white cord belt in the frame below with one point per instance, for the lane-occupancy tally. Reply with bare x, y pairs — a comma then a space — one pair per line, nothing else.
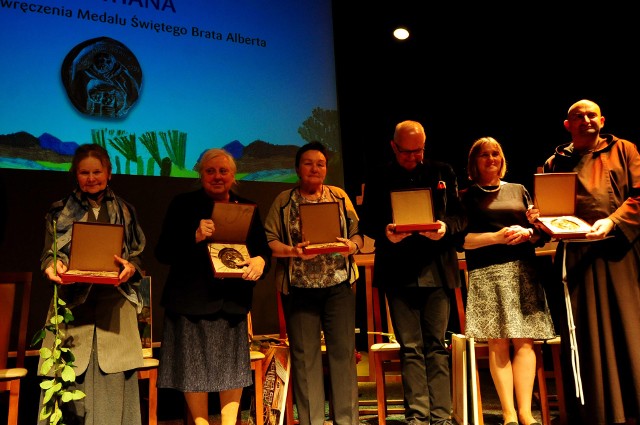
575, 358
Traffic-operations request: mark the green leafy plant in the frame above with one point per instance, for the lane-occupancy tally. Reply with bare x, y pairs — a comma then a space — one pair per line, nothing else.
57, 359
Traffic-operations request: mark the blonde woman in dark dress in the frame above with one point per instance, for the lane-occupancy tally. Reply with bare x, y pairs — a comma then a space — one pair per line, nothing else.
506, 303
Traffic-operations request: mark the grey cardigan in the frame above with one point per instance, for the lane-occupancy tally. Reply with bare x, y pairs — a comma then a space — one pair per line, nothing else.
277, 228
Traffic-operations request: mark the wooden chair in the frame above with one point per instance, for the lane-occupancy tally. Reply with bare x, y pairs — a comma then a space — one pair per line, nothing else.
15, 293
149, 371
385, 357
258, 374
282, 328
553, 400
556, 400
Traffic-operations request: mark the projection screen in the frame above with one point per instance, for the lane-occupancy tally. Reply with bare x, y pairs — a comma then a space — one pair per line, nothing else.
157, 82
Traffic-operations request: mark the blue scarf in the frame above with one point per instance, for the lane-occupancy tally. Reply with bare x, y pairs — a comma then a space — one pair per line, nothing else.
76, 207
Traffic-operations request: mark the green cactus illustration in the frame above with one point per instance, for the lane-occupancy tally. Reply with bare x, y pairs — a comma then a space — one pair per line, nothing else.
150, 166
165, 167
149, 140
175, 143
140, 168
126, 145
97, 137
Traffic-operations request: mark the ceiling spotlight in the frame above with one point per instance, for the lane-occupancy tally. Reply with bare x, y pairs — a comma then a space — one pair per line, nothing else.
401, 33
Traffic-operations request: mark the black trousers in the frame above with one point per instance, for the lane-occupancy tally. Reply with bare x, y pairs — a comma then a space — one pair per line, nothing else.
420, 317
331, 310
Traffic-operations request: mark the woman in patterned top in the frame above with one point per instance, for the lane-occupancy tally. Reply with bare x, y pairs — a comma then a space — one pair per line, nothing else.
317, 293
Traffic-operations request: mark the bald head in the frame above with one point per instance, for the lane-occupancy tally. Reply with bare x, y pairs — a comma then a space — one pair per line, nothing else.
584, 104
584, 122
406, 128
408, 144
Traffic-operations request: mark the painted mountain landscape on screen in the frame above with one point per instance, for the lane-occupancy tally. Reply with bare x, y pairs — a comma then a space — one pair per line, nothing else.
164, 153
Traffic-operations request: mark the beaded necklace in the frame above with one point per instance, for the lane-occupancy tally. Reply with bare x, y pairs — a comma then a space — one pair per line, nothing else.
497, 188
317, 199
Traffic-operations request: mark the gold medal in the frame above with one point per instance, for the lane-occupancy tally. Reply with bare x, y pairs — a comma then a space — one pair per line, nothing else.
230, 257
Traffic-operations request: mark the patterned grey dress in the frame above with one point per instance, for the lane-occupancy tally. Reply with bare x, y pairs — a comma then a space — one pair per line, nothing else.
506, 298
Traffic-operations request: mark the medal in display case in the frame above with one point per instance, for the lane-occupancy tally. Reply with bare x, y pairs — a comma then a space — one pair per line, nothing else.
93, 246
227, 247
413, 211
555, 198
320, 225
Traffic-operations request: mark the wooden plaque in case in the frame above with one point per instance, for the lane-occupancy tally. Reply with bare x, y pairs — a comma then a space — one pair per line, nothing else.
413, 211
555, 197
93, 246
320, 225
228, 247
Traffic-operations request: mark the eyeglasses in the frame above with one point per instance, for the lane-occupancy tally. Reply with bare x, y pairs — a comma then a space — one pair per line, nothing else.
408, 152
